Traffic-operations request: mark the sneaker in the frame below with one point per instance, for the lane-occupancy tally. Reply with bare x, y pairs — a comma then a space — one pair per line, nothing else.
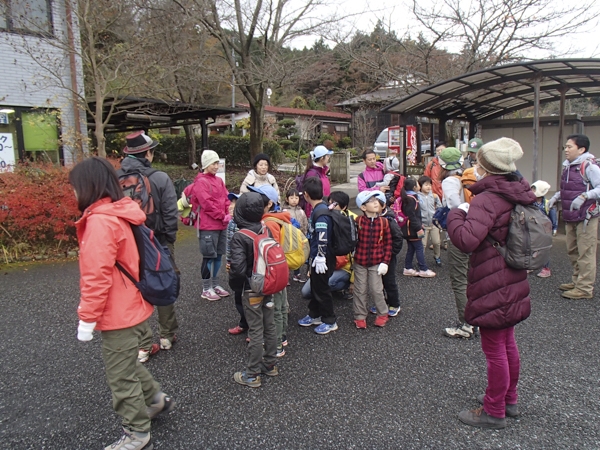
165, 344
544, 273
144, 355
210, 295
381, 321
163, 404
326, 328
361, 324
410, 272
220, 291
132, 440
237, 330
250, 381
308, 321
426, 273
393, 311
438, 261
284, 340
576, 294
479, 418
299, 279
566, 286
510, 410
280, 352
273, 371
346, 295
462, 330
373, 310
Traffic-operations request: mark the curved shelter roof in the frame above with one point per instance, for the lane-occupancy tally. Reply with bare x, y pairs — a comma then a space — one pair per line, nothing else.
490, 93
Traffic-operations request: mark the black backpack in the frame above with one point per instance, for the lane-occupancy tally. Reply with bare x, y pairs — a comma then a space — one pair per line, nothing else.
397, 236
343, 235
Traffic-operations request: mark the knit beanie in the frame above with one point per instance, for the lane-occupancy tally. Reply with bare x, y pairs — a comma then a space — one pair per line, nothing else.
498, 157
209, 157
541, 188
261, 157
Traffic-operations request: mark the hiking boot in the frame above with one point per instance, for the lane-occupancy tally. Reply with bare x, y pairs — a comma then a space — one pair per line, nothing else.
509, 410
566, 286
144, 355
479, 418
299, 278
272, 371
410, 272
461, 330
237, 330
280, 352
220, 291
544, 273
438, 261
307, 321
361, 324
576, 294
210, 295
132, 440
426, 273
161, 403
326, 328
250, 381
381, 320
393, 311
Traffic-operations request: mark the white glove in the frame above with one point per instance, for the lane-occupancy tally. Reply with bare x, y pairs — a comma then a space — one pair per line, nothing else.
576, 204
84, 331
320, 264
551, 203
464, 206
382, 269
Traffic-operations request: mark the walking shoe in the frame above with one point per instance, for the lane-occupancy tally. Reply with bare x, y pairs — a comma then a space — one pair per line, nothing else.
280, 352
461, 330
426, 273
308, 321
346, 295
210, 295
272, 371
361, 324
566, 286
576, 294
393, 311
373, 310
132, 440
161, 404
166, 344
381, 321
250, 381
509, 410
325, 328
220, 291
438, 261
284, 340
544, 273
237, 330
479, 418
299, 279
410, 272
144, 355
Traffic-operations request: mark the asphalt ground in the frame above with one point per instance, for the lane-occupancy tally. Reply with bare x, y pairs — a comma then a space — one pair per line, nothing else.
399, 387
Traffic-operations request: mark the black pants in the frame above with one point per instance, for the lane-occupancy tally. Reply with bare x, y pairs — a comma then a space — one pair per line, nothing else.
240, 308
390, 284
321, 303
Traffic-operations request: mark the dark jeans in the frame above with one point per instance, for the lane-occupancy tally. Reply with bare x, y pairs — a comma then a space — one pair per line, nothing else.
321, 303
240, 308
415, 247
390, 284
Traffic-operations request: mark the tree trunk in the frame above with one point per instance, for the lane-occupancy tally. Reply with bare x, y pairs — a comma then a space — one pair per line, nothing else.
190, 139
256, 129
99, 131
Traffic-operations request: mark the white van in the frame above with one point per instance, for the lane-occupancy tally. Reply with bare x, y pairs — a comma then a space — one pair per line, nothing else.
381, 144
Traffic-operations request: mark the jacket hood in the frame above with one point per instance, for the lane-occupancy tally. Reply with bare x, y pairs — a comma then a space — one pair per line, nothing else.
249, 211
579, 159
124, 208
131, 162
513, 191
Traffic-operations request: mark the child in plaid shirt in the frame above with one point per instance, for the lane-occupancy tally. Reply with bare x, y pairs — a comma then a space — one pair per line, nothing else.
371, 258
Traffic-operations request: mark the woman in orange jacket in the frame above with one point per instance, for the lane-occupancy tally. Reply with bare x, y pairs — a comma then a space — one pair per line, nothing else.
110, 302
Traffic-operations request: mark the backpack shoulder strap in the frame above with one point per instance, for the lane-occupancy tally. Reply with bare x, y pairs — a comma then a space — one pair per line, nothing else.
361, 175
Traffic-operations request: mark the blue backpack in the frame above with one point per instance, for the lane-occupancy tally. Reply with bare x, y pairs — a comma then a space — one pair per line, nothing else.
159, 280
440, 217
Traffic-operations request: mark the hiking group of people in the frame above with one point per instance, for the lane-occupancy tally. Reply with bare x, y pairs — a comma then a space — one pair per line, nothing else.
263, 234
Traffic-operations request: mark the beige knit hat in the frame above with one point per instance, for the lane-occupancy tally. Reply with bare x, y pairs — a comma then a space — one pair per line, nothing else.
209, 157
498, 157
541, 188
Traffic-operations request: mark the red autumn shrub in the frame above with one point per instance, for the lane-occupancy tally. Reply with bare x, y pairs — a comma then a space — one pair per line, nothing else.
37, 206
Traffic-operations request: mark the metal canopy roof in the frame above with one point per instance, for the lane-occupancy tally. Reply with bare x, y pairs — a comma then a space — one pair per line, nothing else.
491, 93
132, 113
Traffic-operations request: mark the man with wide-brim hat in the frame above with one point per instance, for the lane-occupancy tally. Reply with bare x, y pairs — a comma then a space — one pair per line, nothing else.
139, 154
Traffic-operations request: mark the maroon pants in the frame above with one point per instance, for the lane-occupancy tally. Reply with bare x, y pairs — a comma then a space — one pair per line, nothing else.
503, 365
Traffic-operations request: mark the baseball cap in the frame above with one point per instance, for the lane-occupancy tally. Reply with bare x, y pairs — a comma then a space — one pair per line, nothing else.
364, 196
268, 190
319, 152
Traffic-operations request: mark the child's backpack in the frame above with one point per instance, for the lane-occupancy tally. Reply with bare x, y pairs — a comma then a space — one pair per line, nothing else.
343, 234
401, 217
270, 271
467, 179
294, 243
159, 280
396, 186
529, 238
136, 185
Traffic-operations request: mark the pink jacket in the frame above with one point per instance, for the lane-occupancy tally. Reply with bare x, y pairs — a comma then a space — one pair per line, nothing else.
370, 176
105, 237
321, 173
208, 192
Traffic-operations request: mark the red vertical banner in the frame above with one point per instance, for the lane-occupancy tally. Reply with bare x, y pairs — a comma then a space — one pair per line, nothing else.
411, 145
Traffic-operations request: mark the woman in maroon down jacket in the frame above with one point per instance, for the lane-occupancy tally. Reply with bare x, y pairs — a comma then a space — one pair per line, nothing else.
498, 296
